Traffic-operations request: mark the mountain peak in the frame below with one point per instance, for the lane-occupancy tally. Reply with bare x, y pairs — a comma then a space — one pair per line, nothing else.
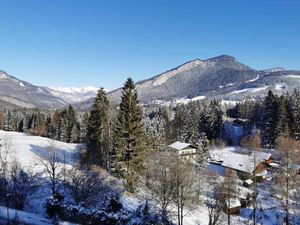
222, 58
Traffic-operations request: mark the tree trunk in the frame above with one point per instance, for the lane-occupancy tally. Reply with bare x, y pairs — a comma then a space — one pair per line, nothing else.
181, 205
287, 195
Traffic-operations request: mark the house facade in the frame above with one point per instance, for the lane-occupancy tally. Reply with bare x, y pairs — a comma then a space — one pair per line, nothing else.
184, 150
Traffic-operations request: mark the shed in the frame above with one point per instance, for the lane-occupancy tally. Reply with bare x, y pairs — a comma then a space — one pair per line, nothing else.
233, 206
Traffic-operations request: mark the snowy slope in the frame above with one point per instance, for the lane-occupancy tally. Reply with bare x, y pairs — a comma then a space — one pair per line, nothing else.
28, 218
29, 149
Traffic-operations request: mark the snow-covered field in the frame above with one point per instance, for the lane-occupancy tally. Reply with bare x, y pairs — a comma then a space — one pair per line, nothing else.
29, 150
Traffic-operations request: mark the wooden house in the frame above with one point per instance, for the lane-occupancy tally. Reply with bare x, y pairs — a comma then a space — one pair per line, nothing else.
184, 150
244, 166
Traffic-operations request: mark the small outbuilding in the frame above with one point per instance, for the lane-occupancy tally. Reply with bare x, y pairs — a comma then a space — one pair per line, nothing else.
233, 206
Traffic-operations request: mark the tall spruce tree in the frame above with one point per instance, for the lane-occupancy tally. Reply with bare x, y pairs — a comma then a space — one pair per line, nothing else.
130, 142
70, 122
98, 134
270, 120
191, 127
216, 121
180, 122
283, 120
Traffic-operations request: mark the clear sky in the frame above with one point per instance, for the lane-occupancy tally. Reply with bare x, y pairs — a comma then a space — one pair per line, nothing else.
102, 42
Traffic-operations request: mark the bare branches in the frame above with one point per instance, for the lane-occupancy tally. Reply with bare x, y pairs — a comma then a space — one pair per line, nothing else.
50, 161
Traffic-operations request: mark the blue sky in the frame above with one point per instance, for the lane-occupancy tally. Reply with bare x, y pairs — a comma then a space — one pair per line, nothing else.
101, 43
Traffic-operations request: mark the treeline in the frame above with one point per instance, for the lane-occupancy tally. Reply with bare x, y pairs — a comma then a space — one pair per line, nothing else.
274, 116
63, 125
191, 123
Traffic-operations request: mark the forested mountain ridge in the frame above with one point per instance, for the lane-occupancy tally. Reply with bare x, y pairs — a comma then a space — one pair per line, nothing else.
222, 77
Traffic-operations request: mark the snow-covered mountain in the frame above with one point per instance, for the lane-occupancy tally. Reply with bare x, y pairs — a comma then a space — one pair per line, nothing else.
74, 94
15, 92
221, 77
18, 93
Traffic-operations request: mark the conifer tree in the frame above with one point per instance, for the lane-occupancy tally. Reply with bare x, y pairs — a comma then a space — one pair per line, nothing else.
130, 145
75, 133
190, 128
71, 122
282, 126
216, 121
83, 127
8, 121
270, 120
180, 122
98, 139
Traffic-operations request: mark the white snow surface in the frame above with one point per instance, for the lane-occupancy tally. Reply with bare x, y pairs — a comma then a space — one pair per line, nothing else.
249, 90
252, 80
178, 101
279, 86
28, 150
28, 218
77, 90
3, 76
293, 76
73, 94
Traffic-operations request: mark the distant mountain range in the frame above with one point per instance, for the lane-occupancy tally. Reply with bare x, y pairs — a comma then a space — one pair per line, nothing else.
220, 77
73, 94
18, 93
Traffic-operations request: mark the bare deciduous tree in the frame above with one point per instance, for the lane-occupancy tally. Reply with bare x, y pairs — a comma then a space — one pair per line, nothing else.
286, 178
85, 186
51, 162
172, 181
253, 143
214, 198
185, 192
160, 180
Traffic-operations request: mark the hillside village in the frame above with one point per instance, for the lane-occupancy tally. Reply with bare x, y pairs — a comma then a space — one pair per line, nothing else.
203, 162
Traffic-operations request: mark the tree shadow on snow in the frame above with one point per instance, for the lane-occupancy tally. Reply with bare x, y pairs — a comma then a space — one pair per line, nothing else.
62, 155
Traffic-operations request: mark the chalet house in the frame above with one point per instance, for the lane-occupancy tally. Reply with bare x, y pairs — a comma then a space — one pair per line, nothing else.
243, 165
184, 150
241, 197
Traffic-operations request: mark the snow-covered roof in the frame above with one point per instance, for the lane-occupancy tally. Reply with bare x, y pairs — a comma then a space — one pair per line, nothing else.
178, 145
262, 156
249, 181
243, 192
239, 162
275, 165
218, 155
233, 203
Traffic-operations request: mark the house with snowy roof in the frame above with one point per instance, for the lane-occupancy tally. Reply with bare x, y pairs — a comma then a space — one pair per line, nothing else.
184, 150
241, 197
263, 156
244, 165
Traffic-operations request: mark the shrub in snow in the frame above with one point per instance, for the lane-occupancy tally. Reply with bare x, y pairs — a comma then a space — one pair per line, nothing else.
114, 205
144, 216
54, 205
113, 213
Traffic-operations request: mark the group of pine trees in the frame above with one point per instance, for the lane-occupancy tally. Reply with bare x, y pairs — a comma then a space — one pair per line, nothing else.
274, 116
117, 142
63, 125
